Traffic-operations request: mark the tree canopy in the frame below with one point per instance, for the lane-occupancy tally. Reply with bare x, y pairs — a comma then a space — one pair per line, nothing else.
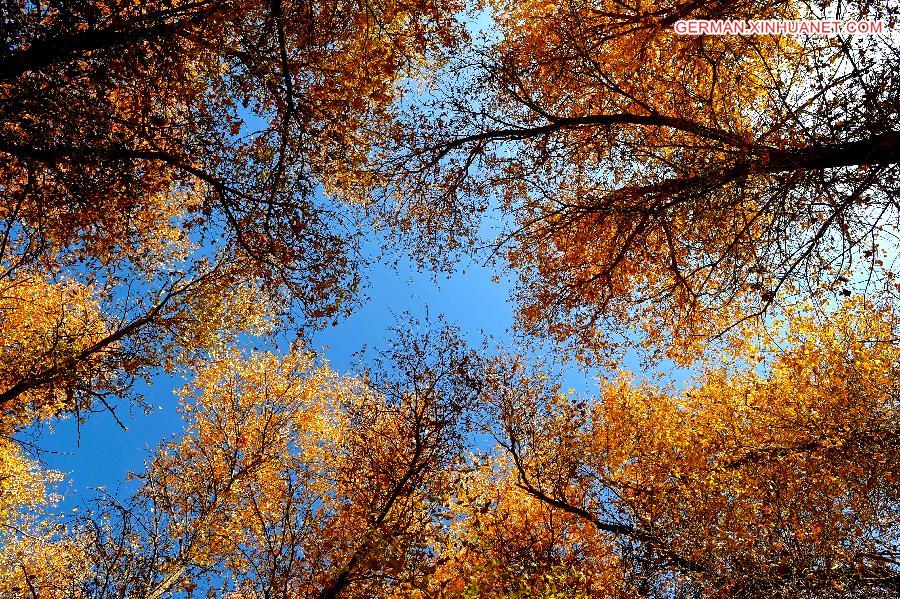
188, 186
723, 177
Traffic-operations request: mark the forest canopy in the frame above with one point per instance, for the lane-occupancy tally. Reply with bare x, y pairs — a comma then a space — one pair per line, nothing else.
704, 225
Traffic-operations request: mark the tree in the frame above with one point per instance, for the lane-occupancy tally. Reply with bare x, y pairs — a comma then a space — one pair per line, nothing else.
291, 480
658, 187
160, 163
39, 555
774, 478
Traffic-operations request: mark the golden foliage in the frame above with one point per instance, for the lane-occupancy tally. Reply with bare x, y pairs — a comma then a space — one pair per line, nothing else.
164, 165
